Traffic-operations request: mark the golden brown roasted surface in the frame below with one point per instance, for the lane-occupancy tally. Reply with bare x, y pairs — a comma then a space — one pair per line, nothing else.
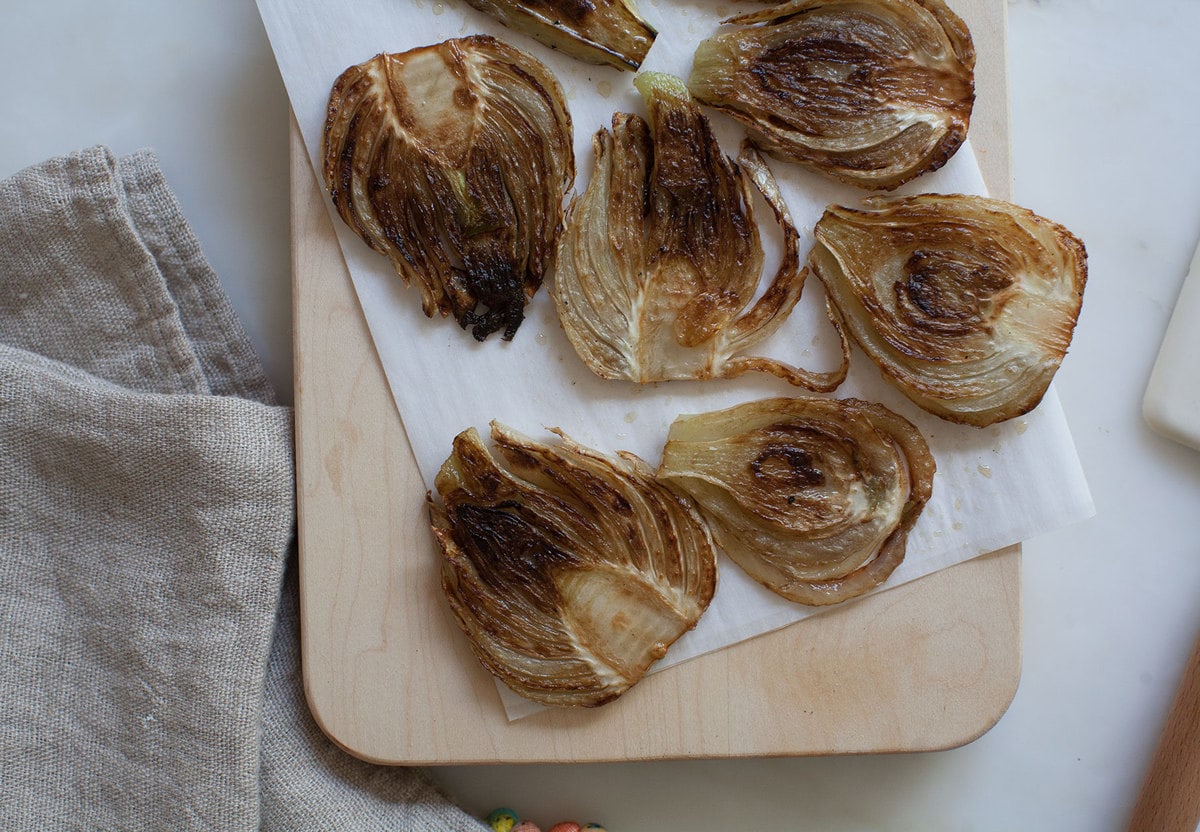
597, 31
814, 498
661, 256
967, 304
871, 92
452, 160
572, 571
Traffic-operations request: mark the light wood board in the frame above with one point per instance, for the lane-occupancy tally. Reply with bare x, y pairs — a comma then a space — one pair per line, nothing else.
929, 665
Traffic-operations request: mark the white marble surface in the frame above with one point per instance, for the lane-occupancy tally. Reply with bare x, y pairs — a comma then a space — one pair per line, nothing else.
1106, 137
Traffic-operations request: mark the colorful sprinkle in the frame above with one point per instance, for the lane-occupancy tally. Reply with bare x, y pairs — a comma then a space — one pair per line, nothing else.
503, 820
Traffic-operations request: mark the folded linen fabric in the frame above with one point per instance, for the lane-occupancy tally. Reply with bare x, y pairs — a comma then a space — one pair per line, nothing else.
148, 636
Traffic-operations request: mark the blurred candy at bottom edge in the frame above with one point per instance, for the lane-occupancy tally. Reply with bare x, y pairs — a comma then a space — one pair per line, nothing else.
506, 820
502, 820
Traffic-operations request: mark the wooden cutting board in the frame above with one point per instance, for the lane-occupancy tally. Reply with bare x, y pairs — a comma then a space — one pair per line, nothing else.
929, 665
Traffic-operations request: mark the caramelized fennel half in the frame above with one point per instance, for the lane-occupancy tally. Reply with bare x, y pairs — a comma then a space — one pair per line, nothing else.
966, 304
596, 31
661, 256
571, 572
813, 498
870, 92
452, 161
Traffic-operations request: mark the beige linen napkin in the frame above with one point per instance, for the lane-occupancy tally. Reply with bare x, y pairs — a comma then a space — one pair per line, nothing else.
149, 662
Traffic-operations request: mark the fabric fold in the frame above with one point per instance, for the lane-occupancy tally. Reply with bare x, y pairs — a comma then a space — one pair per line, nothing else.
144, 537
148, 638
79, 283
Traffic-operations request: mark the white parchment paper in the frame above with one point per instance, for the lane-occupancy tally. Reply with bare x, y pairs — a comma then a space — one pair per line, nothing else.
993, 487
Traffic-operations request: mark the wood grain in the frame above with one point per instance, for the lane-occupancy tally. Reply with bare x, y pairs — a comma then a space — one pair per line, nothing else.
929, 665
1170, 797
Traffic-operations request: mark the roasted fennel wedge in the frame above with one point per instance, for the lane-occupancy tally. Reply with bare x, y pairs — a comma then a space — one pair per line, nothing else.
870, 92
966, 304
597, 31
661, 256
570, 572
813, 498
452, 160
